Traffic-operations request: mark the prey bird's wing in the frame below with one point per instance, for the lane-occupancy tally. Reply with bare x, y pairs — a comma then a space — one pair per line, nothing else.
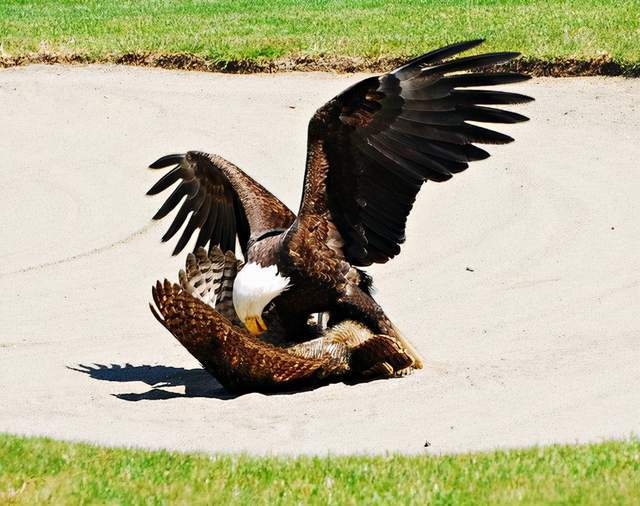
372, 147
218, 199
240, 361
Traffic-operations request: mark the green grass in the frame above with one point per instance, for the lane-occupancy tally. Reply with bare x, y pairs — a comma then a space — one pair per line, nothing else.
264, 30
36, 470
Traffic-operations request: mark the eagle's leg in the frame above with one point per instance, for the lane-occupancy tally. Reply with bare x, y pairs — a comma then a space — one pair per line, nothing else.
295, 308
296, 326
358, 305
321, 320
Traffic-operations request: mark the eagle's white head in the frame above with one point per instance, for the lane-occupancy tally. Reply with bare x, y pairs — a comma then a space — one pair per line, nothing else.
253, 288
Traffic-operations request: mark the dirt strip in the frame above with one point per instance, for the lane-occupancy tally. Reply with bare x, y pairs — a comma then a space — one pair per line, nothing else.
559, 67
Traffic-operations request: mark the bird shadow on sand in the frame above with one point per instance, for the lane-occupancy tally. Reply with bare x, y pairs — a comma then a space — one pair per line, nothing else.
196, 382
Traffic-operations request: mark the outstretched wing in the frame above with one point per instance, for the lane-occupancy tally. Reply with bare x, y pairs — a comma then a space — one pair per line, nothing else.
221, 201
371, 147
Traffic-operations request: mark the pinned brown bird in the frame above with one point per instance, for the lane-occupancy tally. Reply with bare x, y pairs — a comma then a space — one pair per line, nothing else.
197, 312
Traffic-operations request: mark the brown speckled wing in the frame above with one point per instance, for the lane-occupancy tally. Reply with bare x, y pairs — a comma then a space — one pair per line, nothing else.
220, 201
234, 357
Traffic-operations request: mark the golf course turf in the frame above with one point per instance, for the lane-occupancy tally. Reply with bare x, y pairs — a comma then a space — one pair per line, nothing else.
575, 37
33, 470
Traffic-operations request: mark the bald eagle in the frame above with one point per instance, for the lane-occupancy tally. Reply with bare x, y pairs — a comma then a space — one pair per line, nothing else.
369, 150
200, 316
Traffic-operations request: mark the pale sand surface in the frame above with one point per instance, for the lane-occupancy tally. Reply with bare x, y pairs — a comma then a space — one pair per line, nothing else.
539, 342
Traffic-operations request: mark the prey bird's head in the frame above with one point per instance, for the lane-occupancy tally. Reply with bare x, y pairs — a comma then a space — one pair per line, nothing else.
253, 288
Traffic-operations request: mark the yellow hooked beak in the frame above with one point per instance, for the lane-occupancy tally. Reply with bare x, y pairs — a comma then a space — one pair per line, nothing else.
255, 325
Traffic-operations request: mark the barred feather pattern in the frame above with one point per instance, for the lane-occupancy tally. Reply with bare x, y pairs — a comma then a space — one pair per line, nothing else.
367, 354
209, 277
225, 300
336, 342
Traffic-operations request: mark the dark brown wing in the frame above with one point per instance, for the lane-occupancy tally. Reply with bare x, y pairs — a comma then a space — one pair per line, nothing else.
371, 148
221, 201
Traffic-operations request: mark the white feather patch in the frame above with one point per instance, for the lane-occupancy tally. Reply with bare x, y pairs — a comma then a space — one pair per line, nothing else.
256, 286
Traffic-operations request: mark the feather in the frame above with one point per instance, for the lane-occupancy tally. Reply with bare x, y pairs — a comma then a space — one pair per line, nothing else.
167, 160
197, 220
413, 67
165, 181
492, 79
490, 115
470, 63
172, 201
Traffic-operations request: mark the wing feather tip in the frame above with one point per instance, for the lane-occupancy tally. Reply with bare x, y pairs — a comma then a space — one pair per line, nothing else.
156, 315
167, 160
